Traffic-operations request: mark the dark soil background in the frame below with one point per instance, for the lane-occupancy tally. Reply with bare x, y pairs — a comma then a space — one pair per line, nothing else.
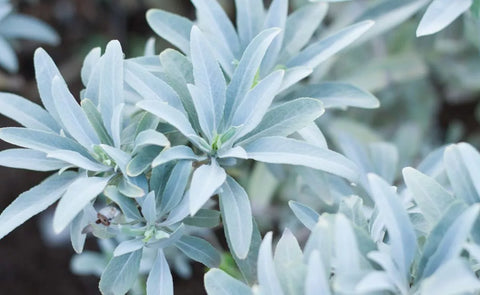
27, 264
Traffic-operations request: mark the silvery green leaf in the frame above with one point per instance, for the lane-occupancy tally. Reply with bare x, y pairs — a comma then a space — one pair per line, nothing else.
454, 277
471, 158
205, 181
128, 246
159, 281
389, 14
142, 161
175, 118
286, 118
111, 83
173, 28
430, 196
40, 140
376, 281
26, 113
339, 95
305, 214
401, 233
150, 137
300, 27
250, 17
150, 87
130, 189
318, 52
204, 218
204, 110
244, 75
167, 241
248, 266
127, 205
267, 277
282, 150
215, 21
251, 111
96, 121
276, 18
237, 216
459, 175
439, 14
116, 124
395, 279
91, 59
453, 240
289, 264
149, 210
8, 59
294, 75
217, 282
77, 160
312, 134
77, 196
92, 88
19, 26
236, 152
347, 255
322, 240
432, 164
199, 250
180, 152
316, 280
30, 160
45, 71
71, 115
34, 201
209, 79
180, 212
175, 186
120, 273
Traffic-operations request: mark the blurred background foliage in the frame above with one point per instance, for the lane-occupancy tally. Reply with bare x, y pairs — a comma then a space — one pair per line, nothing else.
428, 88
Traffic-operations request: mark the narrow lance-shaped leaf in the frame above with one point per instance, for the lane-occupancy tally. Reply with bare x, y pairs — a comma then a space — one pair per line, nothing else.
217, 282
205, 181
269, 283
120, 273
282, 150
199, 250
30, 160
237, 216
78, 195
250, 17
305, 214
289, 264
34, 201
439, 14
159, 281
276, 18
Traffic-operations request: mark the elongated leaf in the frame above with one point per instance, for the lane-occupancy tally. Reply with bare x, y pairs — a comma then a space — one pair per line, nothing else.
128, 246
244, 75
205, 181
256, 103
127, 205
439, 14
399, 227
276, 18
111, 83
120, 157
305, 214
204, 218
199, 250
77, 160
149, 210
281, 150
40, 140
289, 264
96, 121
78, 195
294, 75
19, 26
209, 80
316, 281
83, 219
26, 113
30, 160
150, 137
339, 95
175, 187
318, 52
45, 71
34, 201
286, 118
218, 282
142, 161
8, 59
250, 18
430, 196
120, 274
267, 277
173, 28
300, 27
159, 281
237, 216
91, 59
